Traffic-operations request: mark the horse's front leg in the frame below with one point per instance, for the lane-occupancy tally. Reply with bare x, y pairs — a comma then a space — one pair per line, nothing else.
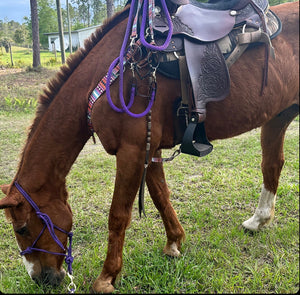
128, 177
159, 193
272, 139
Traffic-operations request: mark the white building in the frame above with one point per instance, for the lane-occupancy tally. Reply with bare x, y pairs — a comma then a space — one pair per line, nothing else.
78, 37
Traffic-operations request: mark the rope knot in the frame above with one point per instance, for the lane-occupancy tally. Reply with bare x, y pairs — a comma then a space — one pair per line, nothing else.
29, 250
47, 220
69, 260
44, 217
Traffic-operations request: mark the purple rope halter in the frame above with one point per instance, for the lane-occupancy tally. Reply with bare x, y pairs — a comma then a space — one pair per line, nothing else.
49, 224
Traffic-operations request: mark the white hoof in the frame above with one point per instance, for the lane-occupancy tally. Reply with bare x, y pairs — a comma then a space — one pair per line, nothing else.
252, 224
172, 250
264, 212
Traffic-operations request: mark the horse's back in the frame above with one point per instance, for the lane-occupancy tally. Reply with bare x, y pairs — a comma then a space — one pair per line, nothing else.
245, 108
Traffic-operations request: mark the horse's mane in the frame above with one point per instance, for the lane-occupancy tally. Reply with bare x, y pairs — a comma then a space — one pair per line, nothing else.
54, 85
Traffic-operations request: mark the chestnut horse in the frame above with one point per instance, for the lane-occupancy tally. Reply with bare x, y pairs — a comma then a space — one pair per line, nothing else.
60, 131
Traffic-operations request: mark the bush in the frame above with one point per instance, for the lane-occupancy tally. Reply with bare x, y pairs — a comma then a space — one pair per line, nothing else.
20, 104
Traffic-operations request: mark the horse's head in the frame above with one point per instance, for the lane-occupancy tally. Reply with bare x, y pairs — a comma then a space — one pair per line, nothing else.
42, 253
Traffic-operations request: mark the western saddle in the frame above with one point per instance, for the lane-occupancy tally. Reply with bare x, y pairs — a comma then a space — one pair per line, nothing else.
207, 39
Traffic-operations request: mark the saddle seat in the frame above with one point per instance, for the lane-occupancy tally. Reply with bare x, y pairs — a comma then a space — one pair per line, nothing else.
200, 21
211, 4
215, 4
207, 39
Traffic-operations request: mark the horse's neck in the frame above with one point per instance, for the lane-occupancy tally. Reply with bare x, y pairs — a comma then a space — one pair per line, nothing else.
62, 131
54, 146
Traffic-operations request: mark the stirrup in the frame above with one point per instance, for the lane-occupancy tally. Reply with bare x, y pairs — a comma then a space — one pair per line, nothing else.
194, 140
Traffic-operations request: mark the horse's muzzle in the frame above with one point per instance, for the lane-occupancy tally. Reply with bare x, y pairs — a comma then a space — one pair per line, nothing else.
49, 276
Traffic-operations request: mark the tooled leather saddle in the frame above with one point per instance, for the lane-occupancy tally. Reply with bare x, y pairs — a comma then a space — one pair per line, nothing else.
207, 39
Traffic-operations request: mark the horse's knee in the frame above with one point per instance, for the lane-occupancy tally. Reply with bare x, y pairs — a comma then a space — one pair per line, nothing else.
264, 213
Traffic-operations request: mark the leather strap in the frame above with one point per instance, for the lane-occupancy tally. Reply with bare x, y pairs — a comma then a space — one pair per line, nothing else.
244, 39
185, 82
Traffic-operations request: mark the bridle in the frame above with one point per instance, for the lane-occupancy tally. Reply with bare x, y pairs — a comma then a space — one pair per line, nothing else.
115, 70
145, 9
50, 226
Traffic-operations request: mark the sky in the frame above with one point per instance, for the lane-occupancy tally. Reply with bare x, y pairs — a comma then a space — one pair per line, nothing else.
14, 10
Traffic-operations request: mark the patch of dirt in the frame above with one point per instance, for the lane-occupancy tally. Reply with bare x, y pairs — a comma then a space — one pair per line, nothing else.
21, 83
4, 71
30, 77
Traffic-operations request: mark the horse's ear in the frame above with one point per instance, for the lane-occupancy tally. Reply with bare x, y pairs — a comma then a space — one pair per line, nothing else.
4, 188
11, 200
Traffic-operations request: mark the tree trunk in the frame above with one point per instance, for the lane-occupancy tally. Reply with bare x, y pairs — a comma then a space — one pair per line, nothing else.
69, 27
35, 34
61, 32
110, 8
11, 57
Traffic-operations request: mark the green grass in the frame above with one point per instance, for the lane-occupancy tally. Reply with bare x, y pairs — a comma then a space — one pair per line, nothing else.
19, 88
22, 57
212, 196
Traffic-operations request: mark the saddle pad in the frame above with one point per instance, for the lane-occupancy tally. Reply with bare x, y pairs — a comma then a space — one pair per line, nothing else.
203, 24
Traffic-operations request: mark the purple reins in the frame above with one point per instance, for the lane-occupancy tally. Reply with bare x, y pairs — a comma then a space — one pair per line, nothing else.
120, 60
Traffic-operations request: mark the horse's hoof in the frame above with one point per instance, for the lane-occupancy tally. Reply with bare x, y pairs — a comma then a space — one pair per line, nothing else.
101, 286
255, 223
172, 250
251, 224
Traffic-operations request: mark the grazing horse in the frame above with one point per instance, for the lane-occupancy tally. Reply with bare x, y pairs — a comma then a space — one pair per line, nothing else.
60, 131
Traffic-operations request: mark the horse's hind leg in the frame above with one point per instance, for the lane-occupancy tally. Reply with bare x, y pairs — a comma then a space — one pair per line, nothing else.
272, 138
159, 193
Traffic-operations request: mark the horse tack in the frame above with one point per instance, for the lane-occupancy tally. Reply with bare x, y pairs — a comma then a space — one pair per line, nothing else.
46, 220
68, 133
204, 60
202, 63
207, 67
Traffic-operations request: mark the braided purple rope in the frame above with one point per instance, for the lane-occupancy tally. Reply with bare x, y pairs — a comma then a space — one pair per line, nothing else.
49, 224
121, 61
143, 27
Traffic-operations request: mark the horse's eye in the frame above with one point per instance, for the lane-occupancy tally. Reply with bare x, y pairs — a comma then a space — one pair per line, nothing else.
22, 231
